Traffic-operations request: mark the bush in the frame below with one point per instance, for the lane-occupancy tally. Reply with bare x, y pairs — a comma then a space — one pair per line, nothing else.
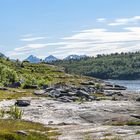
30, 80
7, 75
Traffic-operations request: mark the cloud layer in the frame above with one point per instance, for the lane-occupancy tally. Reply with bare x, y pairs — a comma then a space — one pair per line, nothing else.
91, 41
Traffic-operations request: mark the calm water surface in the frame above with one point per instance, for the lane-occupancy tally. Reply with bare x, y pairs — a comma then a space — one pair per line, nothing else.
132, 85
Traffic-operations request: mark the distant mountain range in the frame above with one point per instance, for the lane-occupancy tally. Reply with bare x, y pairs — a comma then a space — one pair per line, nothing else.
51, 58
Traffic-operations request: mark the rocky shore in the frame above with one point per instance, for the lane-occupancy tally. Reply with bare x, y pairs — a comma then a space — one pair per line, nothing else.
88, 111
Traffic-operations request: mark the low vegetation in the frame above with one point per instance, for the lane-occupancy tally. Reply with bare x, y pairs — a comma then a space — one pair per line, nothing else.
29, 74
15, 94
13, 113
29, 131
129, 123
16, 129
138, 132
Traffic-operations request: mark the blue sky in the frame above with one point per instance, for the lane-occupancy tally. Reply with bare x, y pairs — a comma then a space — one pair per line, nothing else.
64, 27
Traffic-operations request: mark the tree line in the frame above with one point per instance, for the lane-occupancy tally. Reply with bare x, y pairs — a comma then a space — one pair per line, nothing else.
124, 66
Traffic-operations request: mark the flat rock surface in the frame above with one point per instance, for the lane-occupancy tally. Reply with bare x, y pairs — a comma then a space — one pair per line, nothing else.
76, 121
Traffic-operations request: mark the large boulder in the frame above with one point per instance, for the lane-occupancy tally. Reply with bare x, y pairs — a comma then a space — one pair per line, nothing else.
72, 94
88, 89
82, 93
65, 99
63, 90
49, 89
55, 93
22, 103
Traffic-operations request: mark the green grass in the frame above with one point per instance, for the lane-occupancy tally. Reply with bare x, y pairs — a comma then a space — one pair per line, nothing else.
129, 123
107, 134
138, 132
14, 94
35, 131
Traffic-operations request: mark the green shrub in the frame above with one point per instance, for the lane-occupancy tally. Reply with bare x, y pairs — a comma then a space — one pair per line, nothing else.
30, 80
7, 75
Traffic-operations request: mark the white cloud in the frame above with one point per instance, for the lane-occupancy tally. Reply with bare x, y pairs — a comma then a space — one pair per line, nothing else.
125, 21
30, 47
101, 20
99, 41
98, 36
33, 38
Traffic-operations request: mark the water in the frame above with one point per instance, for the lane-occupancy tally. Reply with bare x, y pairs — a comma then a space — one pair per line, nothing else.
132, 85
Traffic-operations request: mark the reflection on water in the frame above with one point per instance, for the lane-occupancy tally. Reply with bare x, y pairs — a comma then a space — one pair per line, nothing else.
132, 85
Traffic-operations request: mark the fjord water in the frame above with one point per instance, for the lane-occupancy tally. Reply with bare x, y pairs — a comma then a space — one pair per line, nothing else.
132, 85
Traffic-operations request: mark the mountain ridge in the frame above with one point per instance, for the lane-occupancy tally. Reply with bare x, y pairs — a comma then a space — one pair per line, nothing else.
51, 58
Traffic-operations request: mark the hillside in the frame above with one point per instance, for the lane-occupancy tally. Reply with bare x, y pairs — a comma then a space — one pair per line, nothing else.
33, 74
113, 66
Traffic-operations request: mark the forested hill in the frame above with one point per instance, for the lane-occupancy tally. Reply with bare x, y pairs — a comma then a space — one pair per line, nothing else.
114, 66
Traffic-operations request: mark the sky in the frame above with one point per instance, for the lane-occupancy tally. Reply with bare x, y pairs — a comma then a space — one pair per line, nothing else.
65, 27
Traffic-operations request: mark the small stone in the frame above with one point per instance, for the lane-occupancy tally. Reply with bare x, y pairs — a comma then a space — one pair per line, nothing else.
21, 132
50, 122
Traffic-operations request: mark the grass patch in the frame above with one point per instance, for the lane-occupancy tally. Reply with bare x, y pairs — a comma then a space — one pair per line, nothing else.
107, 134
15, 94
129, 123
138, 132
35, 131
